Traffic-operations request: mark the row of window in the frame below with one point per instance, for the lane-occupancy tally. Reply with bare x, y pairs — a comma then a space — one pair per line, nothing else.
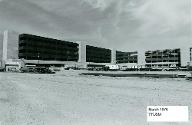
126, 61
49, 58
126, 57
39, 39
98, 55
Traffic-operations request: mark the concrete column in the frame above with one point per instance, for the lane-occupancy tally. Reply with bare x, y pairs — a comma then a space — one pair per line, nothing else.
82, 52
185, 56
5, 43
141, 57
82, 55
113, 56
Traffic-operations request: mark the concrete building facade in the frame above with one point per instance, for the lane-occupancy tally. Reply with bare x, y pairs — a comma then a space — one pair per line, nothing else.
33, 49
126, 57
9, 47
163, 58
98, 54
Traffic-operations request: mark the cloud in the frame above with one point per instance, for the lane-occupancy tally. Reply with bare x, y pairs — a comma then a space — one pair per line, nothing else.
99, 4
23, 15
126, 24
163, 16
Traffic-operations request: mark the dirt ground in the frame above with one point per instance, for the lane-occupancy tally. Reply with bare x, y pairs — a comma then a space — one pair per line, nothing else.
65, 98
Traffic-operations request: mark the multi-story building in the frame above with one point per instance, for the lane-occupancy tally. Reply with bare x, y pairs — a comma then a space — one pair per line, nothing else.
127, 60
126, 57
163, 58
97, 54
37, 50
33, 47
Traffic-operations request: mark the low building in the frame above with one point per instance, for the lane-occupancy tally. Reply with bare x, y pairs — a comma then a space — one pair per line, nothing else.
13, 65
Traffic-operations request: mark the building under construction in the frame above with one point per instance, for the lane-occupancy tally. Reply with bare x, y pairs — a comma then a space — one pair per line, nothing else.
163, 58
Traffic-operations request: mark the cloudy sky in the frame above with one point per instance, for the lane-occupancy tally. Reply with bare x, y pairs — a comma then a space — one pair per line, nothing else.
122, 24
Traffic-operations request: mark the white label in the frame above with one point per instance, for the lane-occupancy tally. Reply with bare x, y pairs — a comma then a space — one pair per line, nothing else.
167, 114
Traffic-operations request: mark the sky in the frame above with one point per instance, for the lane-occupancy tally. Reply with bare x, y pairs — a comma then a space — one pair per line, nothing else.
126, 25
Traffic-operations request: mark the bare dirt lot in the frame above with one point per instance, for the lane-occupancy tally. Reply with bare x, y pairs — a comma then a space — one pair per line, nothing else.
65, 98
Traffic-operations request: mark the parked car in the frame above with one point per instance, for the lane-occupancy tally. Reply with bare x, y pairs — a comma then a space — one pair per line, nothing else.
40, 70
43, 70
2, 69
